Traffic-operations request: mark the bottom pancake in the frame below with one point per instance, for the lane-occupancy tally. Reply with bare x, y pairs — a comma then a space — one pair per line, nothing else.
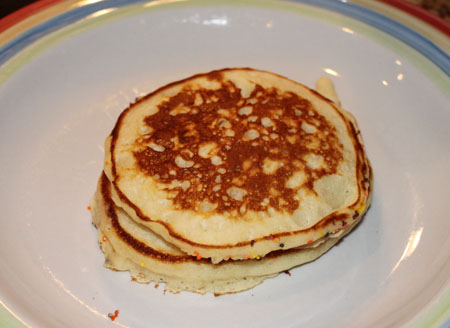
128, 246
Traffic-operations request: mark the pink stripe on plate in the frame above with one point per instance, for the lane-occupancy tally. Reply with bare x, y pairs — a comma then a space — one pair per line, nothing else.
421, 13
25, 12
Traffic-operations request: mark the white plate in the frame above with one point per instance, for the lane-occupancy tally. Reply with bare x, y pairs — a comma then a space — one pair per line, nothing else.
61, 95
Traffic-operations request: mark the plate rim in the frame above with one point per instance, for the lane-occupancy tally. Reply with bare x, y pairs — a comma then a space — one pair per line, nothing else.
437, 313
71, 11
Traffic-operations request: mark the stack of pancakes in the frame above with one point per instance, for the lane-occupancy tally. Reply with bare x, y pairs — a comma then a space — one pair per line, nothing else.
218, 181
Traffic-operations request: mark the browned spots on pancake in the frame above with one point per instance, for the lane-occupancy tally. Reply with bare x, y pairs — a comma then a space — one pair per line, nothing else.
227, 153
144, 249
363, 171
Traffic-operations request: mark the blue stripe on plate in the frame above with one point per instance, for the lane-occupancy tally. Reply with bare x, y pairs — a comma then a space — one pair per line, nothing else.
70, 17
385, 24
446, 324
393, 28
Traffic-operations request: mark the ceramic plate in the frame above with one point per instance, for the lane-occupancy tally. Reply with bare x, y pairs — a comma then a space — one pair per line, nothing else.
64, 83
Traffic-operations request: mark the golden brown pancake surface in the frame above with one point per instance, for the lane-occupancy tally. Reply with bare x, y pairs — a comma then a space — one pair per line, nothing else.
236, 153
128, 246
226, 164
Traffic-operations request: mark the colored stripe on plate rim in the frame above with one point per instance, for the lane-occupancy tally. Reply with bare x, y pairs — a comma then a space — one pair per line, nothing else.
439, 57
380, 22
25, 12
393, 28
416, 18
427, 30
421, 13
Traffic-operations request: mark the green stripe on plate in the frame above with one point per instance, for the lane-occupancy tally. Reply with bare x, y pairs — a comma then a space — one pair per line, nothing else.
108, 15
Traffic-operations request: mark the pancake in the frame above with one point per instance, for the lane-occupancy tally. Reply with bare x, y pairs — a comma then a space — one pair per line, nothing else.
233, 163
131, 247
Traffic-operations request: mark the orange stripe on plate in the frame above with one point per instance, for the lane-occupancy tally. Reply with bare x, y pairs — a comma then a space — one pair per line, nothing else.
25, 12
421, 13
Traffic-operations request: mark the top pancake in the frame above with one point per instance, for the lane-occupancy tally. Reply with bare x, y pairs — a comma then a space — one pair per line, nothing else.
236, 162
